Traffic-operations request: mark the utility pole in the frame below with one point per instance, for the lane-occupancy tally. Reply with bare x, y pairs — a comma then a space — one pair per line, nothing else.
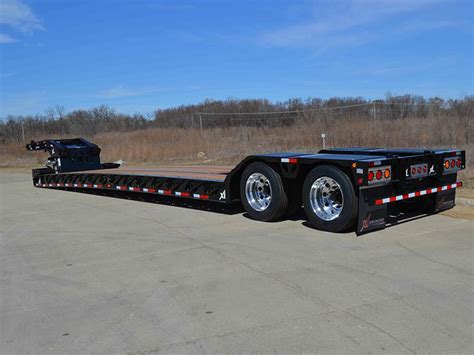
200, 122
23, 130
323, 136
374, 111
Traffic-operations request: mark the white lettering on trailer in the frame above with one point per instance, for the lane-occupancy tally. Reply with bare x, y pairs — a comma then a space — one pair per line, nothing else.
222, 195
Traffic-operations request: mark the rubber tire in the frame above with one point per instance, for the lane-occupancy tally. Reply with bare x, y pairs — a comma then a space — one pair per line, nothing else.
279, 201
348, 216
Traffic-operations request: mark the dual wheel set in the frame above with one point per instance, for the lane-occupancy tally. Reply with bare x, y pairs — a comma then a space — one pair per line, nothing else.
327, 195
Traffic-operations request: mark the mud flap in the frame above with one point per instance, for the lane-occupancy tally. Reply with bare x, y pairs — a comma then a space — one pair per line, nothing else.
444, 200
370, 217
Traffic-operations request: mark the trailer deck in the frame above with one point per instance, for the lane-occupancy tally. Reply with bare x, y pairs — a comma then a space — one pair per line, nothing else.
208, 173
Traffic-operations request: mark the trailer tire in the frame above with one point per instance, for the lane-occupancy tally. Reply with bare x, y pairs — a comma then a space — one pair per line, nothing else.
262, 192
329, 199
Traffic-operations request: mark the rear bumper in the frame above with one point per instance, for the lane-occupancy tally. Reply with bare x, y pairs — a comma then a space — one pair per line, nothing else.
418, 193
376, 211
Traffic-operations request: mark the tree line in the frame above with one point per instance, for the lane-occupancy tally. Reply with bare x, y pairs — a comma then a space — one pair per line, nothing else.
57, 122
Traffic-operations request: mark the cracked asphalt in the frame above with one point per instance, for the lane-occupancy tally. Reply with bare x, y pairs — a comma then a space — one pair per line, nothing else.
91, 274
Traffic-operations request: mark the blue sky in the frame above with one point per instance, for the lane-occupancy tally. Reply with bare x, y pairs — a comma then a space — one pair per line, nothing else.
141, 55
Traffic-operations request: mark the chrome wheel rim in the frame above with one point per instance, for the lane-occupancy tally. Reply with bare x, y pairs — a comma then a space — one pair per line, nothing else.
326, 198
258, 192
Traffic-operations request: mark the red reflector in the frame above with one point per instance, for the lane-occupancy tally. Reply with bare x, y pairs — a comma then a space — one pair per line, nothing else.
371, 175
425, 168
419, 170
378, 175
204, 197
458, 163
292, 160
413, 171
360, 180
453, 163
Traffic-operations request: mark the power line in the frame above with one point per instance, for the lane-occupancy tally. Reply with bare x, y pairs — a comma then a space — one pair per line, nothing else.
301, 111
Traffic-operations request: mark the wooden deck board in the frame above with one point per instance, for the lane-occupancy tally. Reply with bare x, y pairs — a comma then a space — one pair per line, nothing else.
217, 173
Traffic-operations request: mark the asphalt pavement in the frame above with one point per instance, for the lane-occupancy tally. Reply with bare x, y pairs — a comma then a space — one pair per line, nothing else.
90, 274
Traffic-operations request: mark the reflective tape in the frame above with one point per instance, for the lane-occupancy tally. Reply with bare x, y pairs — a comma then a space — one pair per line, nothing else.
417, 193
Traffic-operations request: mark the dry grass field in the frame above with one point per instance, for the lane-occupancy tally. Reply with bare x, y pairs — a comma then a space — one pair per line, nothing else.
159, 146
228, 145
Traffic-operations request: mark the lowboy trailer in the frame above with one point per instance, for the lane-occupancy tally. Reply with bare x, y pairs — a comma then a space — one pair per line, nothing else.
340, 189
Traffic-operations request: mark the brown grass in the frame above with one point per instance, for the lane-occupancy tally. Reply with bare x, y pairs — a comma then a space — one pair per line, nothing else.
229, 145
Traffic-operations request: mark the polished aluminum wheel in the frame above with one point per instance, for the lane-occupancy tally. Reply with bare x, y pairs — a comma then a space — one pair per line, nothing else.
258, 192
326, 198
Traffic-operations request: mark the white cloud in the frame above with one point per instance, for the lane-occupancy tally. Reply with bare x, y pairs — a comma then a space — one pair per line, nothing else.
19, 16
118, 91
6, 39
122, 91
348, 24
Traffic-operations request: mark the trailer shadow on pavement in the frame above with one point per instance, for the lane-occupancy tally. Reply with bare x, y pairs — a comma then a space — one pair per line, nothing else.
208, 206
395, 216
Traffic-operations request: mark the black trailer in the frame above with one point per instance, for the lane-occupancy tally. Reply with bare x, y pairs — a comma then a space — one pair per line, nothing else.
340, 189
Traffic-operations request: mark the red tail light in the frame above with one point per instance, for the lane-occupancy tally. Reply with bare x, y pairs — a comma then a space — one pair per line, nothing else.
370, 176
378, 175
452, 165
